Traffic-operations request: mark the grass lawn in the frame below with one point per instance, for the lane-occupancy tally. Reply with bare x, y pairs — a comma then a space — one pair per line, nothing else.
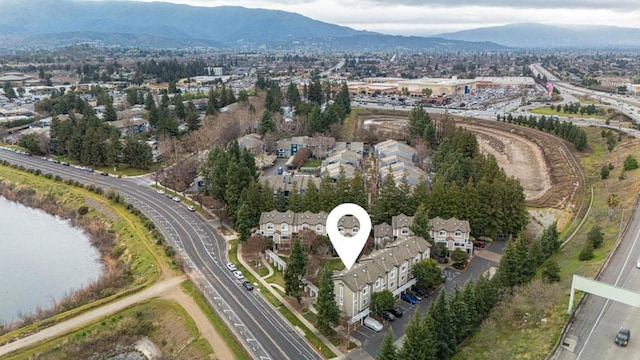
548, 112
506, 335
312, 163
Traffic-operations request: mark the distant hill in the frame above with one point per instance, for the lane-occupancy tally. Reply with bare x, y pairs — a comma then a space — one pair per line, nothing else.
530, 35
49, 23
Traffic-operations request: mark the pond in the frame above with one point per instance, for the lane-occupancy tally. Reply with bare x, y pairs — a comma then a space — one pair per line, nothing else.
42, 259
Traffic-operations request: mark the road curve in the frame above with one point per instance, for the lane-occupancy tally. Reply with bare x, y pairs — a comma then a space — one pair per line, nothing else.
264, 332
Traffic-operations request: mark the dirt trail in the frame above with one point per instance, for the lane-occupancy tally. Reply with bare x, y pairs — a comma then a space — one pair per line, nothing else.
169, 289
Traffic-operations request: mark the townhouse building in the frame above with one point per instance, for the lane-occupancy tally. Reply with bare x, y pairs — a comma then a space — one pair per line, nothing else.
387, 269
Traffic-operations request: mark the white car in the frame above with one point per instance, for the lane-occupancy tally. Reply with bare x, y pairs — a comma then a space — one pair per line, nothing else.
238, 275
176, 199
372, 324
231, 266
160, 191
638, 263
191, 208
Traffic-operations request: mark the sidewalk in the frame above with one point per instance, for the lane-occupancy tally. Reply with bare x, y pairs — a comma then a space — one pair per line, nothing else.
268, 286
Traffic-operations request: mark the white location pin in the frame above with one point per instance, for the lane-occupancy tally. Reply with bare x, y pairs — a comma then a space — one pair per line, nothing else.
348, 248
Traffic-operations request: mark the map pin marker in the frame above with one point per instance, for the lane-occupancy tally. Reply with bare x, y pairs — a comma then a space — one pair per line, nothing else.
348, 248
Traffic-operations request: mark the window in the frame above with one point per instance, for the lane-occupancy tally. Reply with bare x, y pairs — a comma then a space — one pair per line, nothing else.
404, 231
417, 259
377, 283
341, 293
355, 230
284, 227
341, 229
392, 285
305, 227
365, 291
319, 228
443, 233
364, 302
403, 268
392, 275
403, 277
269, 226
457, 233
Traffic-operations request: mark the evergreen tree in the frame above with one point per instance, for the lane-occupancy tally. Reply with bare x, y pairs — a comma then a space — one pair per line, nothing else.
314, 121
420, 225
8, 91
327, 196
595, 236
328, 311
516, 265
267, 202
461, 319
273, 100
427, 274
357, 190
295, 270
439, 317
468, 296
388, 351
235, 184
295, 202
212, 102
110, 113
267, 124
414, 344
311, 199
388, 203
243, 222
293, 95
181, 112
193, 123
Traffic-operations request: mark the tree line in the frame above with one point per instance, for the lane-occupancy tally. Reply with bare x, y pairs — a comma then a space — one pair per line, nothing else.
565, 129
451, 319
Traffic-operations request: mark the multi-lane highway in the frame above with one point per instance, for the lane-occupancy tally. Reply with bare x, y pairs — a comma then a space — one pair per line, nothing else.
265, 333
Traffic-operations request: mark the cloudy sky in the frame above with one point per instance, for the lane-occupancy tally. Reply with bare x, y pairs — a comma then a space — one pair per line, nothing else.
426, 17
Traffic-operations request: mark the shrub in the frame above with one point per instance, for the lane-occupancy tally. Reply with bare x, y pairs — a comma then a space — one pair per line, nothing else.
551, 271
630, 163
587, 252
83, 210
604, 172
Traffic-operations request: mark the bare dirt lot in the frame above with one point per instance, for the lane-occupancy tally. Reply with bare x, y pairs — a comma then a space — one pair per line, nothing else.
542, 162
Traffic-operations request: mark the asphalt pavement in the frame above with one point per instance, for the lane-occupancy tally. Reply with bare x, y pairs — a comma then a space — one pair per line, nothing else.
372, 340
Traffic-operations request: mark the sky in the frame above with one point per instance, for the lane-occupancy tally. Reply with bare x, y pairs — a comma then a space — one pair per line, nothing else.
428, 17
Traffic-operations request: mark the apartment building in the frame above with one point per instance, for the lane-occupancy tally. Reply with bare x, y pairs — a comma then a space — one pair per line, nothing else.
387, 269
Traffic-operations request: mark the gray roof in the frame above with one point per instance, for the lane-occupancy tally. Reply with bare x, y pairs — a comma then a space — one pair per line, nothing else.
285, 183
334, 170
391, 147
345, 157
382, 230
310, 218
276, 217
370, 268
450, 225
401, 221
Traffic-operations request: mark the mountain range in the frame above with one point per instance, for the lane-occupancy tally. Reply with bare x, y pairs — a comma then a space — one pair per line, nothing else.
36, 24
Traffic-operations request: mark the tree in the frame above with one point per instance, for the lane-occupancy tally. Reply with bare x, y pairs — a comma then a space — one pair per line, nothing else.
414, 345
8, 91
440, 328
427, 92
630, 163
295, 202
266, 124
427, 274
328, 311
595, 236
273, 100
461, 318
381, 301
180, 110
137, 154
516, 266
294, 271
613, 203
587, 251
243, 222
604, 172
551, 271
110, 113
459, 258
191, 118
388, 351
293, 95
212, 102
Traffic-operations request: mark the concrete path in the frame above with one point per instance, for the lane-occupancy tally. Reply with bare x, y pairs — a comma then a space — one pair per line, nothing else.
269, 287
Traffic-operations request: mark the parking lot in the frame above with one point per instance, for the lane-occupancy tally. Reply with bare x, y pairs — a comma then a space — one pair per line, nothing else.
371, 340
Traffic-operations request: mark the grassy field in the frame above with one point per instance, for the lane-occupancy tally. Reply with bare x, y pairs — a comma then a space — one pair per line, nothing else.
546, 111
510, 333
165, 323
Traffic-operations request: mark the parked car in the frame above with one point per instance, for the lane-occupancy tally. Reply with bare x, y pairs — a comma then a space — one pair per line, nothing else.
387, 315
622, 339
160, 191
247, 285
396, 311
419, 292
176, 199
104, 173
409, 298
416, 296
479, 244
238, 274
64, 163
231, 266
372, 324
191, 208
638, 263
